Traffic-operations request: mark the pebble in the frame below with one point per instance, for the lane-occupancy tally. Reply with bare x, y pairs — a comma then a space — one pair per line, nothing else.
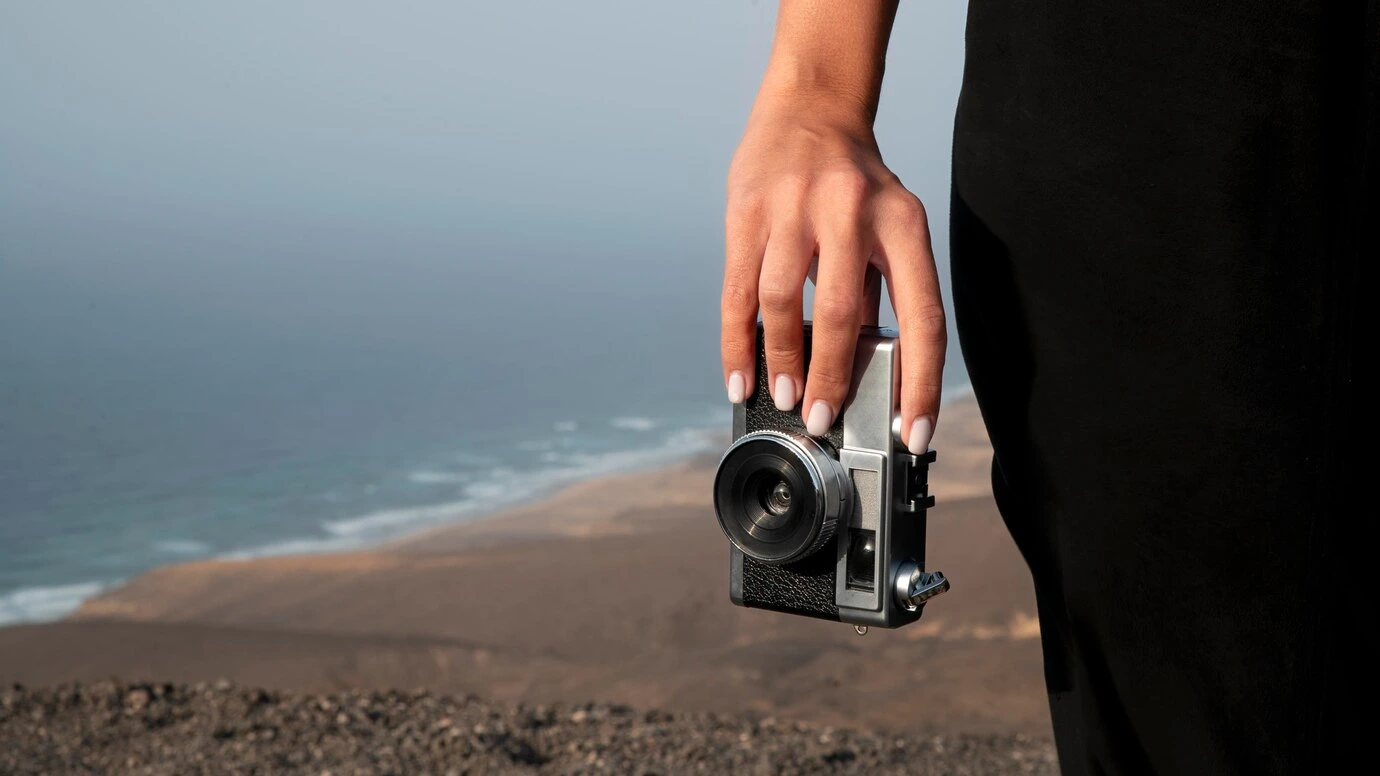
176, 729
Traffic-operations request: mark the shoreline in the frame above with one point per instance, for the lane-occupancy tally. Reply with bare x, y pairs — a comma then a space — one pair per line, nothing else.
590, 504
55, 602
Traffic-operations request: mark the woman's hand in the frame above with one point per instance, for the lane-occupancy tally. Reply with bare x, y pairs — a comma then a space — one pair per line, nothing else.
808, 183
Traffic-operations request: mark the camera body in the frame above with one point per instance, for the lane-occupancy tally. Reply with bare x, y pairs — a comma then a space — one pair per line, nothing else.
834, 526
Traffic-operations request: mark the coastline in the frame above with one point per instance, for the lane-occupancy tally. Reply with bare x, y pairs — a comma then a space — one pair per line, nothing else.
613, 589
591, 506
365, 530
416, 524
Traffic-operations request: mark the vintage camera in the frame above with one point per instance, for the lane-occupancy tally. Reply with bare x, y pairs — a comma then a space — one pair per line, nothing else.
833, 526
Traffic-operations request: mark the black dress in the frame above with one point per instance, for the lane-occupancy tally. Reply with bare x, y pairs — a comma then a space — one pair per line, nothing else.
1161, 216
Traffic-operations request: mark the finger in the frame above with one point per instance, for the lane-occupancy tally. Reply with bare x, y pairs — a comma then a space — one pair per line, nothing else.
834, 336
781, 288
872, 292
745, 238
914, 284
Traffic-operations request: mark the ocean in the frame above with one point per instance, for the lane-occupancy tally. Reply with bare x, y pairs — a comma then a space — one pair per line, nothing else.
169, 395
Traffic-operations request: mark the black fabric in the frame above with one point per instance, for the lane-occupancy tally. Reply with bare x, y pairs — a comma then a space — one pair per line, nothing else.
1161, 216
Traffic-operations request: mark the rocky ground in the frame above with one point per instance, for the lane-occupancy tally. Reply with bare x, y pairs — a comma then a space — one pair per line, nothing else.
223, 728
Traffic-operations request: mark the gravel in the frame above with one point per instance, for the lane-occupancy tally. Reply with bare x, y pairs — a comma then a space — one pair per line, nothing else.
223, 728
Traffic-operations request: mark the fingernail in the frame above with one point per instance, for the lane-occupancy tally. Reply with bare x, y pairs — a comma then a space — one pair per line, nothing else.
920, 432
737, 387
820, 419
785, 393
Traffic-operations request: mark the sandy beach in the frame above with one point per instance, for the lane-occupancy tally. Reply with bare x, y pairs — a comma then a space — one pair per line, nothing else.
611, 591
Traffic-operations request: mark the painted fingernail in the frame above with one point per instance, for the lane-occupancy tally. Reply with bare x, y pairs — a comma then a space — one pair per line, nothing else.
920, 432
820, 419
785, 393
737, 388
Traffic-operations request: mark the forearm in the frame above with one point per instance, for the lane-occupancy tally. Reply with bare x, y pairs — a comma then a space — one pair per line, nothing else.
807, 189
829, 54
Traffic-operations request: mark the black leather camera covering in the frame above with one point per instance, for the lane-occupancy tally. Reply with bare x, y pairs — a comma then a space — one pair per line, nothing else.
806, 586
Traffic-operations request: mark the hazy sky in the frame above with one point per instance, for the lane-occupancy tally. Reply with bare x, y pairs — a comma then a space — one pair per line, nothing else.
239, 154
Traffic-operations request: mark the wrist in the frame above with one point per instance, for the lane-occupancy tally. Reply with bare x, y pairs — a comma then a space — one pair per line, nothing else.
844, 80
815, 82
839, 109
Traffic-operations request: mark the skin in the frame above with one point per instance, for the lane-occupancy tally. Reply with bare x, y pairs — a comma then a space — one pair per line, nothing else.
808, 189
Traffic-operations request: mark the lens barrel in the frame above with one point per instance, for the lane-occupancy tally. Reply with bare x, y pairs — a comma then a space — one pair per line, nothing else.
779, 497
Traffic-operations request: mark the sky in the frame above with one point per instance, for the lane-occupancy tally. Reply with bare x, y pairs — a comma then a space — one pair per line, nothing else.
335, 166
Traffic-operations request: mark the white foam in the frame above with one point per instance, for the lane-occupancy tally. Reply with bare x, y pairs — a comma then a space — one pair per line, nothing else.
297, 547
633, 423
487, 491
385, 519
182, 547
500, 487
430, 477
40, 604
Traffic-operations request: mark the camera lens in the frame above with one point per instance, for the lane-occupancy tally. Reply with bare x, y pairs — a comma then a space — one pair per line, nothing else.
770, 497
778, 496
779, 500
